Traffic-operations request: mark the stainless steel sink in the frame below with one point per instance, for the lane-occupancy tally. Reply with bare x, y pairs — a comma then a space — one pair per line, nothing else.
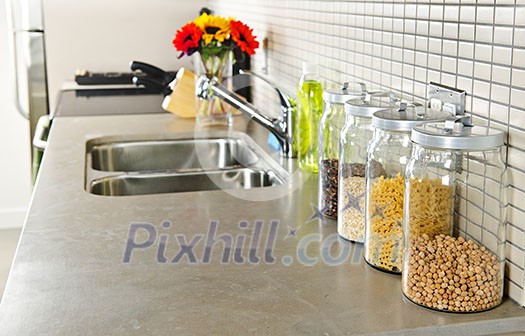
172, 154
143, 184
122, 166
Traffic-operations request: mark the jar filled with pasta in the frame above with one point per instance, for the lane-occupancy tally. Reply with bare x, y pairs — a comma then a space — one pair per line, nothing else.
455, 215
330, 126
388, 154
355, 137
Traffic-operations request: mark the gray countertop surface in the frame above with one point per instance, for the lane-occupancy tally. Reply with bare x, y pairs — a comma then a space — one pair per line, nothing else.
287, 272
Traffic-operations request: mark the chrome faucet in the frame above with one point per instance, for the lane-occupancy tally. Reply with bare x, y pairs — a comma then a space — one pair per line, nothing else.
281, 127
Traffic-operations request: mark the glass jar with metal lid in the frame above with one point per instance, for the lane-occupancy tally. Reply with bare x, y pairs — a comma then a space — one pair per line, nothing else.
388, 154
330, 126
455, 216
355, 137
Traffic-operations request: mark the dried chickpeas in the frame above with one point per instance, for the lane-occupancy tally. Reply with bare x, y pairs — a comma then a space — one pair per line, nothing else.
452, 274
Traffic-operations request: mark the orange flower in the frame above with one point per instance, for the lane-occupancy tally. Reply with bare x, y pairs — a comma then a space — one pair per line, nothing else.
188, 38
242, 35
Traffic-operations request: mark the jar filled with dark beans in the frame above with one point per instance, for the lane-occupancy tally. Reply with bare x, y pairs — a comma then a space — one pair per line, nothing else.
329, 183
330, 126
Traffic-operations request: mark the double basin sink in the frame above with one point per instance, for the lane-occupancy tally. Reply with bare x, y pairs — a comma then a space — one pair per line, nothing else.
122, 166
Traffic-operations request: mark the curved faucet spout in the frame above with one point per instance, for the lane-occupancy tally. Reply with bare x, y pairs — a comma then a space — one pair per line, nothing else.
281, 127
286, 101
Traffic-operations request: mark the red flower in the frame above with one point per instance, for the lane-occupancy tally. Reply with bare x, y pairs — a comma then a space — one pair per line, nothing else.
187, 39
242, 35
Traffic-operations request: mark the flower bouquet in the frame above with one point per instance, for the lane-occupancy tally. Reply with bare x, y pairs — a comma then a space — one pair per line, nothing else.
215, 42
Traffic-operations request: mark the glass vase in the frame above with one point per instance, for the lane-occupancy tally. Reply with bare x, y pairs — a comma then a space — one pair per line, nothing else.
213, 111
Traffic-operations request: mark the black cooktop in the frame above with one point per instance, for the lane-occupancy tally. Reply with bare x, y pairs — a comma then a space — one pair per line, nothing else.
110, 101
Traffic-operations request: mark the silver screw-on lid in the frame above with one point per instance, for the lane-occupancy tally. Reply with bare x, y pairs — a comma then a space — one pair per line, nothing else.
455, 135
341, 94
367, 105
405, 117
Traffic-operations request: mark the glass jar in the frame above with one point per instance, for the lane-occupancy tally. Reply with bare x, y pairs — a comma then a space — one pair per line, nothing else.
330, 126
388, 154
455, 216
355, 137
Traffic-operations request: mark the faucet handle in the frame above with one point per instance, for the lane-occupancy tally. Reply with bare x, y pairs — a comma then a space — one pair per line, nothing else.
203, 87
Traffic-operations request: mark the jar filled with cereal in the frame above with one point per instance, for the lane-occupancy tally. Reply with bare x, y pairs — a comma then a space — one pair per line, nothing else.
388, 154
455, 215
355, 137
330, 126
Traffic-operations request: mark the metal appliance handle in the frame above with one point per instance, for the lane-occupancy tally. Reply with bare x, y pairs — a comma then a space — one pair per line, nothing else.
11, 27
41, 130
16, 95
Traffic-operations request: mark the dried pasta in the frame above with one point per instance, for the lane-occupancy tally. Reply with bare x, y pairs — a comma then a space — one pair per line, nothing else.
384, 248
430, 207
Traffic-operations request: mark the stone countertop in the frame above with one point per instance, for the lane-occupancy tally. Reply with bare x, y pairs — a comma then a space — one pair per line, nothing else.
287, 273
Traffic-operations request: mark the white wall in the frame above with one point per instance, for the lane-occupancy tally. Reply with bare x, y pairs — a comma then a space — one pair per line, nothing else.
15, 166
101, 35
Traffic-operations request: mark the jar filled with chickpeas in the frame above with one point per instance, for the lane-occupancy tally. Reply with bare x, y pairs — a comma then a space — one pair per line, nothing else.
355, 137
455, 215
388, 154
330, 126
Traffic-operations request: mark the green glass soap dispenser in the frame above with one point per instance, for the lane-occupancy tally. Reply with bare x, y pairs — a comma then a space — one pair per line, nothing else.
309, 111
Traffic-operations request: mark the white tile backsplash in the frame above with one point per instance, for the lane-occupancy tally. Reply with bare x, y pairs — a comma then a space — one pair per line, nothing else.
517, 197
466, 50
449, 64
485, 15
484, 34
518, 78
515, 235
498, 111
500, 93
475, 45
517, 98
514, 273
503, 35
502, 55
468, 14
423, 12
450, 30
520, 14
519, 37
518, 58
504, 16
436, 12
483, 71
484, 52
466, 31
514, 159
500, 74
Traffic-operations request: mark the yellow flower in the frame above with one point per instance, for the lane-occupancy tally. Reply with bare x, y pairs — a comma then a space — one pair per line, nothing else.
213, 27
